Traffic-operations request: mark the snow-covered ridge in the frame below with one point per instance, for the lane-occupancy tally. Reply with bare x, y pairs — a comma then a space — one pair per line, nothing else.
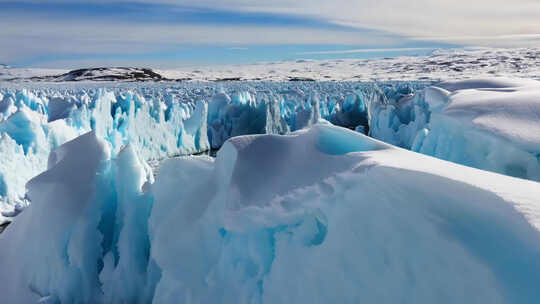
444, 64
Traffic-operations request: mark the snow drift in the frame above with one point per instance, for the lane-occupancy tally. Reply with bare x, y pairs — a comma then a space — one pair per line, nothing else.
322, 215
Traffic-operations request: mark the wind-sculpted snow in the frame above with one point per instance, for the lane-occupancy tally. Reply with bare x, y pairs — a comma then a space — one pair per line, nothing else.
160, 121
323, 215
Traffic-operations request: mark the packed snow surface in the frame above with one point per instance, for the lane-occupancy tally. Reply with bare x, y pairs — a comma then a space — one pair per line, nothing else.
323, 215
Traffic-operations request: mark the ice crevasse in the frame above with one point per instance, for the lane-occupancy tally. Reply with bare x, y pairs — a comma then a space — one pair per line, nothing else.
262, 224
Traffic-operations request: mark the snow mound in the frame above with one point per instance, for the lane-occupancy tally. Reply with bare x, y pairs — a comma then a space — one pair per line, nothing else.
321, 215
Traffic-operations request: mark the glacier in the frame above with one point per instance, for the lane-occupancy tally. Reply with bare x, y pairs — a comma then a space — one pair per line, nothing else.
261, 224
164, 120
158, 121
317, 193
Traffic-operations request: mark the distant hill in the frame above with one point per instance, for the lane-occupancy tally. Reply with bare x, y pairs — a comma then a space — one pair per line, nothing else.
104, 74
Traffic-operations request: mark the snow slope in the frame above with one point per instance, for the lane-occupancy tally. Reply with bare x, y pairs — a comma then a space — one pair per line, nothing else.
262, 224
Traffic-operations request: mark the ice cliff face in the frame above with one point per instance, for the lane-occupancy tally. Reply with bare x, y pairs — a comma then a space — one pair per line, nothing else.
262, 224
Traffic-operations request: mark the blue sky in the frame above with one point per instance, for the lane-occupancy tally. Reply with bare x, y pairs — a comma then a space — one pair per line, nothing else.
67, 34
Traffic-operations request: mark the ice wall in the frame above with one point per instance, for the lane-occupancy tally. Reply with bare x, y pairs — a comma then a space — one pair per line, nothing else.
262, 223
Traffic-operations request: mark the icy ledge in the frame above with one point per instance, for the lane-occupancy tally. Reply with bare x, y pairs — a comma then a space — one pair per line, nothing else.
322, 215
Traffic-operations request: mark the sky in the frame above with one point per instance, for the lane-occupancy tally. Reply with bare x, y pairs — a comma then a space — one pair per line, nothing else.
169, 34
